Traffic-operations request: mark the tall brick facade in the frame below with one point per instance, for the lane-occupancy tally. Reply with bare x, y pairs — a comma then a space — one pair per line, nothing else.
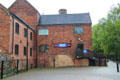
28, 13
4, 29
9, 38
60, 31
64, 34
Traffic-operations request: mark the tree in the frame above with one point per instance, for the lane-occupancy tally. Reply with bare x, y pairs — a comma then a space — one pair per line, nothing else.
107, 32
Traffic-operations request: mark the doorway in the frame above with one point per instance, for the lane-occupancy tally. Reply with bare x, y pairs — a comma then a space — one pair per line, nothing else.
79, 50
80, 46
91, 62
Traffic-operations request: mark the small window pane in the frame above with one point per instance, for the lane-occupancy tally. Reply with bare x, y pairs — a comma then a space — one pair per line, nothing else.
30, 51
78, 30
43, 32
17, 28
44, 48
25, 32
25, 51
16, 49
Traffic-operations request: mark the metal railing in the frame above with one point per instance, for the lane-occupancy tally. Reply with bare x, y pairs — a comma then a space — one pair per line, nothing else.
12, 67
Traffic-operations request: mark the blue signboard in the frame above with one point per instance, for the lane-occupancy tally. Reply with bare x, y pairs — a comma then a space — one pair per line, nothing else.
62, 45
85, 51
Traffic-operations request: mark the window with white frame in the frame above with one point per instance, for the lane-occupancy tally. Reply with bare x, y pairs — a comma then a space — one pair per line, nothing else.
78, 30
43, 31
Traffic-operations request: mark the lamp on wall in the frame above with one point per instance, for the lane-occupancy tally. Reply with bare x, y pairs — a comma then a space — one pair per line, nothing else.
80, 39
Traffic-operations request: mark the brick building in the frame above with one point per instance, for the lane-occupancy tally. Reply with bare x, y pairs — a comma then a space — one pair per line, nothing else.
16, 36
62, 35
45, 38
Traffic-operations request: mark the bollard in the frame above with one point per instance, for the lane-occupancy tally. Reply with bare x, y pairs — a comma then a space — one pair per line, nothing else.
99, 61
54, 62
31, 66
2, 69
117, 67
105, 61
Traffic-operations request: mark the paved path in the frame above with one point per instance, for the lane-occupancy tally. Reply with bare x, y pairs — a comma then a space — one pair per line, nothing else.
82, 73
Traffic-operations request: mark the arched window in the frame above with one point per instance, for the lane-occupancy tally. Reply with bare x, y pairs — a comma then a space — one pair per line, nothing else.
17, 28
43, 48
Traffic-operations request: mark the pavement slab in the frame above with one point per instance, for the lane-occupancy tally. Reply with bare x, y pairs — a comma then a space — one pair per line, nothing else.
76, 73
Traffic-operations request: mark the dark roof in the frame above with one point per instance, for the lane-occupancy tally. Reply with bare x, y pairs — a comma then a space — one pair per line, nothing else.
83, 18
22, 21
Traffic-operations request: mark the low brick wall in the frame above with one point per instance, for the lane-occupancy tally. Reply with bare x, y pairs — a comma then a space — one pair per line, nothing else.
102, 62
82, 62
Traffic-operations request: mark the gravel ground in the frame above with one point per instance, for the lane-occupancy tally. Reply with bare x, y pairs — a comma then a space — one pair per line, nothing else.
78, 73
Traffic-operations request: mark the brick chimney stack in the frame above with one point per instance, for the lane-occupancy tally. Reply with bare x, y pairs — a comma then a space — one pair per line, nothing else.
63, 11
20, 0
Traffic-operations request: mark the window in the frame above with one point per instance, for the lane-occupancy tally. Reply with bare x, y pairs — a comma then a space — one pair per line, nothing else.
25, 32
43, 48
78, 30
16, 50
17, 28
25, 51
30, 51
43, 32
30, 35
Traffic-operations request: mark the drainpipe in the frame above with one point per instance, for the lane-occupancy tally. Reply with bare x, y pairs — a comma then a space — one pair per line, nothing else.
36, 48
27, 52
12, 34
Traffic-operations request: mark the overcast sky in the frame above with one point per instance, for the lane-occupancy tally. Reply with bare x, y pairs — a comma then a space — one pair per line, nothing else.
96, 8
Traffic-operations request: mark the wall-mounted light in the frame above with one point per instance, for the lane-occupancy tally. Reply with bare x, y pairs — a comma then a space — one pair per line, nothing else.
80, 39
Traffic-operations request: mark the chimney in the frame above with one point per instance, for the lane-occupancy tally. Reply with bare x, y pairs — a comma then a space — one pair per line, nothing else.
63, 11
20, 0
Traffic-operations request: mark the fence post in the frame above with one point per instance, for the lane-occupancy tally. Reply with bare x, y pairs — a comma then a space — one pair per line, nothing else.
17, 65
2, 69
54, 62
44, 63
105, 61
99, 61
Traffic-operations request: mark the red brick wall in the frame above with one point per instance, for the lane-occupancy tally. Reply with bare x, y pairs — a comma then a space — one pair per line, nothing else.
82, 62
63, 34
4, 30
20, 40
26, 11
